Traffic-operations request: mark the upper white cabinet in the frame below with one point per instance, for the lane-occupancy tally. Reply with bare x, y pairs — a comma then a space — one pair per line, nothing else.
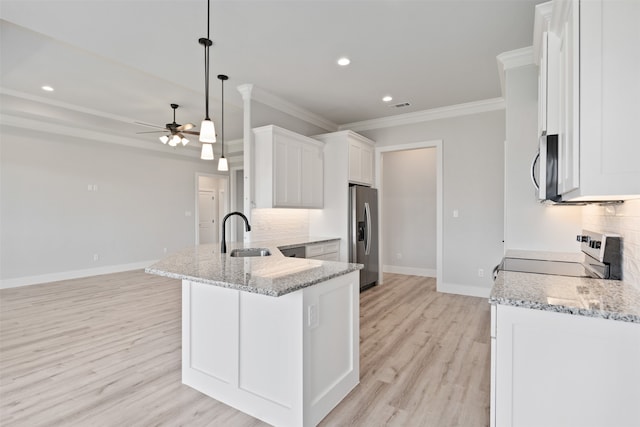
598, 96
546, 51
288, 169
359, 151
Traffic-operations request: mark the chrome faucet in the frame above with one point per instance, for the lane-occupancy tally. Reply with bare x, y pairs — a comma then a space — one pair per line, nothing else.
247, 227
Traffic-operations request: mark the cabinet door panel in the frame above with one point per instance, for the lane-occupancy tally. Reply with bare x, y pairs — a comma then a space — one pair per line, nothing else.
355, 167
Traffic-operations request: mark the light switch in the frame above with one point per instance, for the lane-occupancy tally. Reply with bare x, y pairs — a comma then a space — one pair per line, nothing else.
455, 213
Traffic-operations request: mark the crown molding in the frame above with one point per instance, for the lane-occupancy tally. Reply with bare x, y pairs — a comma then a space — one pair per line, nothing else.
428, 115
541, 23
280, 104
66, 105
31, 125
513, 59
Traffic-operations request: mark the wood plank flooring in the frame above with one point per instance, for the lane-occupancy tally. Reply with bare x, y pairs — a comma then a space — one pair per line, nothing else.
105, 351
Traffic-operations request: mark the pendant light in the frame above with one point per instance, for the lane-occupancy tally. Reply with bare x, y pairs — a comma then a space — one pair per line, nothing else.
223, 165
207, 129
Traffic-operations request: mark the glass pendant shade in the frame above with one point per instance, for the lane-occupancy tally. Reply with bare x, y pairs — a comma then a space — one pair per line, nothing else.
207, 131
164, 139
184, 141
223, 165
207, 152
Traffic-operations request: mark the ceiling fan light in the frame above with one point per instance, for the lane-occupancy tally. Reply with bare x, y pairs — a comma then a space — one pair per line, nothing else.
223, 165
175, 140
164, 139
207, 131
184, 141
207, 152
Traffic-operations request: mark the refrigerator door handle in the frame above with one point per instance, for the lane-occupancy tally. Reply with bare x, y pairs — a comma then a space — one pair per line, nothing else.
367, 214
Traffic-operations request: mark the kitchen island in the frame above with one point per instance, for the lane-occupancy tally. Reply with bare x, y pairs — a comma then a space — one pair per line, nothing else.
272, 336
564, 351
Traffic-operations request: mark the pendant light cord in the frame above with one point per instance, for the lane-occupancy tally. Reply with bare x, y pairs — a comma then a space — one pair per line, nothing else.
207, 44
222, 127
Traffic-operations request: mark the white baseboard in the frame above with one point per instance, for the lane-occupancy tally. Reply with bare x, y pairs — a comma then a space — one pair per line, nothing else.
472, 291
411, 271
67, 275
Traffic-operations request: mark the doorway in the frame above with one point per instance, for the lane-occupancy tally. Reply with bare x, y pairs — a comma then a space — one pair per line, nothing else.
212, 203
410, 208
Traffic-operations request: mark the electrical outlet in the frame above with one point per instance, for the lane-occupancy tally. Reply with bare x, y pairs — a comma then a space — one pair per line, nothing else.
96, 257
399, 255
480, 272
456, 214
164, 250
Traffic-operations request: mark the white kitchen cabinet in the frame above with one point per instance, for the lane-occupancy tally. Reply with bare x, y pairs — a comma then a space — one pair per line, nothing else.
328, 251
360, 159
547, 56
599, 98
358, 151
557, 369
288, 169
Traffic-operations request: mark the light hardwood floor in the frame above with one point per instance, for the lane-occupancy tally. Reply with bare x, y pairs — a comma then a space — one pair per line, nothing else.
105, 351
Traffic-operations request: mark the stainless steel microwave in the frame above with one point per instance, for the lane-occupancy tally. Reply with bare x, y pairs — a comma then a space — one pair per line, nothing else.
547, 161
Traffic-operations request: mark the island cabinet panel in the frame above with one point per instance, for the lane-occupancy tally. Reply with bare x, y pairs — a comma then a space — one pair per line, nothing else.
269, 347
286, 360
557, 369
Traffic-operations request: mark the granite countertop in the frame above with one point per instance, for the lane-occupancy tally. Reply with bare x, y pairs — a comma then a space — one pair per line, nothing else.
273, 275
607, 299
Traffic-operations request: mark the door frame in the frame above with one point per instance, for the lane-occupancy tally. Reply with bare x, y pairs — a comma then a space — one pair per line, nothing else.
196, 197
437, 144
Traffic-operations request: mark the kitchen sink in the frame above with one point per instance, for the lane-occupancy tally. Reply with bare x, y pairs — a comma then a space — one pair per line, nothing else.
247, 252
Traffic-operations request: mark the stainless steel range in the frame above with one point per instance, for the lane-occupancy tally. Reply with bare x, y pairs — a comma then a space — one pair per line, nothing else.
602, 258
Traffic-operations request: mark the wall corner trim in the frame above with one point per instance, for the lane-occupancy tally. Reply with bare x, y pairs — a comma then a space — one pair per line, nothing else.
513, 59
468, 290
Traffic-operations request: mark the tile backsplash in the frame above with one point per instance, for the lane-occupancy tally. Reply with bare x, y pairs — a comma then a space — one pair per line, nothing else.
270, 224
624, 220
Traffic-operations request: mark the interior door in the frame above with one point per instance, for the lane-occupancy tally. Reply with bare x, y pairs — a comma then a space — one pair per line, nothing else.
207, 212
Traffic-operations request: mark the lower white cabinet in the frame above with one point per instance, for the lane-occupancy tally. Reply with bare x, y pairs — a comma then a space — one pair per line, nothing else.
286, 360
329, 251
556, 369
288, 169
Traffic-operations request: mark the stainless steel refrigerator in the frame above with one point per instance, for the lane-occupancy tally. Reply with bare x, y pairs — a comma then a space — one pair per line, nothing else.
363, 232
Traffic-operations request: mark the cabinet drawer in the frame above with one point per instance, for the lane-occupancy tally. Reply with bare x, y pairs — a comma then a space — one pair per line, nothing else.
321, 249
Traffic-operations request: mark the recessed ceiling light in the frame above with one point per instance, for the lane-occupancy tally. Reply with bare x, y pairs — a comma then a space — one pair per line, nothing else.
47, 88
387, 98
344, 61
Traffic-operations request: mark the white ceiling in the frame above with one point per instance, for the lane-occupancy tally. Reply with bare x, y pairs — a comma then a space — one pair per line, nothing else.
113, 63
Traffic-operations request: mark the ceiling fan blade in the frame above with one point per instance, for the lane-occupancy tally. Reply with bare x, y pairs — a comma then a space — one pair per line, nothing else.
191, 132
151, 126
152, 131
186, 126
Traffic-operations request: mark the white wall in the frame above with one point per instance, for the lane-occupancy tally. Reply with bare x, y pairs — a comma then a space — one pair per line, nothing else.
409, 211
473, 185
530, 225
52, 225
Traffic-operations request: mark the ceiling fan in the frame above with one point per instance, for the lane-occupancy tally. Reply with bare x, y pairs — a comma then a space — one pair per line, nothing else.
176, 130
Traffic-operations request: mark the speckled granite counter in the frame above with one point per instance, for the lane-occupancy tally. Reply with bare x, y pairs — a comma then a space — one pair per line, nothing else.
273, 275
607, 299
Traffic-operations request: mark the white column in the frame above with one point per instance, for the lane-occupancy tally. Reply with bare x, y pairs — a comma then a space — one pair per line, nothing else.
245, 91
